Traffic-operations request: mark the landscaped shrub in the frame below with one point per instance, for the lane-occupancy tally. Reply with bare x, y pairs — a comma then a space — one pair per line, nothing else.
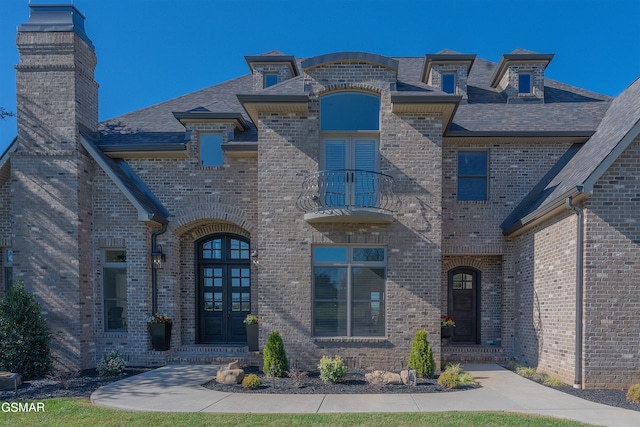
24, 336
453, 376
274, 357
449, 379
421, 356
553, 382
298, 377
251, 382
526, 371
332, 370
633, 394
111, 365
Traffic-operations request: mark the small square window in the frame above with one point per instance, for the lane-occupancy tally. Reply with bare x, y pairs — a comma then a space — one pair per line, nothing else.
270, 80
524, 83
211, 149
449, 83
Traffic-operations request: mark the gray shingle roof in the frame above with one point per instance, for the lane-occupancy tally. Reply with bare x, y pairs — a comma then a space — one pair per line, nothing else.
578, 173
565, 108
148, 206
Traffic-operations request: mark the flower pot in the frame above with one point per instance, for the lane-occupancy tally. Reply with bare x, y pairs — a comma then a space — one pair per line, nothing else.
160, 336
446, 332
252, 336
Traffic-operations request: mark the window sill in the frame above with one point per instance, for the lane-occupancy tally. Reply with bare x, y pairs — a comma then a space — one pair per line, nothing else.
471, 202
365, 340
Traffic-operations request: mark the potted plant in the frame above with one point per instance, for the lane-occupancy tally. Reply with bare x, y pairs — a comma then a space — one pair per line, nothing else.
160, 327
447, 323
252, 331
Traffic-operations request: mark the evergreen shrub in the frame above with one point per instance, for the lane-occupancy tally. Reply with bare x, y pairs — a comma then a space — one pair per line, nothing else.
274, 357
24, 335
421, 356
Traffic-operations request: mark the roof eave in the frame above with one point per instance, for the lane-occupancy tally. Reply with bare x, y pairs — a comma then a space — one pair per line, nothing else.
508, 58
275, 59
257, 103
445, 58
557, 205
143, 214
190, 116
447, 105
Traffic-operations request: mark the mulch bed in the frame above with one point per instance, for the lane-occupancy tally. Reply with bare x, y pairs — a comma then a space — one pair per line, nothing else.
312, 384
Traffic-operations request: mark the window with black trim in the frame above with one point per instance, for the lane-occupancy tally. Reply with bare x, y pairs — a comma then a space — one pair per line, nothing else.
472, 175
211, 149
349, 291
449, 82
269, 80
524, 83
7, 268
114, 270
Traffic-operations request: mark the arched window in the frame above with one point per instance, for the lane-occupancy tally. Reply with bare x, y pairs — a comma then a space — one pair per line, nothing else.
350, 111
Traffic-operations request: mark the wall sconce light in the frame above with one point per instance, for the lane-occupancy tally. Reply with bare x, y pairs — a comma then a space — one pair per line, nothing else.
254, 257
158, 257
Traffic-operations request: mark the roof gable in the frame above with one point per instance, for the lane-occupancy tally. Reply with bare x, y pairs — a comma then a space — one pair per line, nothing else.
619, 127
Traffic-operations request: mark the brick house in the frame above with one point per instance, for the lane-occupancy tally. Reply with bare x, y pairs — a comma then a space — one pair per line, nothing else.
348, 199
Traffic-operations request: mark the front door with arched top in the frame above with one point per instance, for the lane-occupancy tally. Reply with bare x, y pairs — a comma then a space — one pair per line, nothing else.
464, 289
224, 288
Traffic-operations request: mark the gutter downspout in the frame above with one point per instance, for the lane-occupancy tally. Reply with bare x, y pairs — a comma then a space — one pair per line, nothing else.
577, 381
154, 272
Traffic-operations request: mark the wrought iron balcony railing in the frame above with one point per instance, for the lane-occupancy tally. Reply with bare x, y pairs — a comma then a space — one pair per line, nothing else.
348, 192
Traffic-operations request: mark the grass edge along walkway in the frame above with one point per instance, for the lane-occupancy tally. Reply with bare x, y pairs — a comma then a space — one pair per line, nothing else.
70, 412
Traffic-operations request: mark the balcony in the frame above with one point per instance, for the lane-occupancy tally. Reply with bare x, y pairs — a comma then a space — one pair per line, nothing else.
348, 196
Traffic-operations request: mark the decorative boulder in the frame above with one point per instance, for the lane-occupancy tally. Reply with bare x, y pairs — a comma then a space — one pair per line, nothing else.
9, 380
408, 377
233, 365
383, 377
230, 376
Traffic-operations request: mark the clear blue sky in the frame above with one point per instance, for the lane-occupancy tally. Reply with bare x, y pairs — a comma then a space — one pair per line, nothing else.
150, 51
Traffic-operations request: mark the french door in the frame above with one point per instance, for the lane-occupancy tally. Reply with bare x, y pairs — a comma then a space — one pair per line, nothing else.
348, 179
224, 288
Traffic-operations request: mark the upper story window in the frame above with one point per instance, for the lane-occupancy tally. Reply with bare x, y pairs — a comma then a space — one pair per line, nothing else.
472, 175
524, 83
350, 111
211, 149
269, 80
449, 82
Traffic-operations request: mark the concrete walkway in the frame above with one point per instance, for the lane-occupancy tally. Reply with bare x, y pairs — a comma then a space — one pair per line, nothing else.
177, 388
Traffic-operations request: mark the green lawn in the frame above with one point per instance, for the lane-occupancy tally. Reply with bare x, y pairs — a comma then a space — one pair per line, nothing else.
71, 412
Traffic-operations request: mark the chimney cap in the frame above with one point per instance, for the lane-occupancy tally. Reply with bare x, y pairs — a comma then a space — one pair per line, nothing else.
55, 18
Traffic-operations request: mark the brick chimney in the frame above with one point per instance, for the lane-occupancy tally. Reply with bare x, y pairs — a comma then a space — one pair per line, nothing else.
57, 98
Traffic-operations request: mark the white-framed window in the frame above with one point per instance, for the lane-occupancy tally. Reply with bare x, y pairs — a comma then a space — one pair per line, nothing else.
269, 79
472, 175
525, 83
7, 268
211, 149
349, 291
114, 282
449, 82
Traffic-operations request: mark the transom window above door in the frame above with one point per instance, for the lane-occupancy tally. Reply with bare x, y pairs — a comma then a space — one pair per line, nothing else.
350, 111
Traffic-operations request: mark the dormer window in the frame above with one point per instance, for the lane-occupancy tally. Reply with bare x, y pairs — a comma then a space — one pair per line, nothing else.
524, 83
449, 82
270, 80
211, 149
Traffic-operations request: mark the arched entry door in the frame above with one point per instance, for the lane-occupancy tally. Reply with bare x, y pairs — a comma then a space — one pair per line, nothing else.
464, 291
224, 288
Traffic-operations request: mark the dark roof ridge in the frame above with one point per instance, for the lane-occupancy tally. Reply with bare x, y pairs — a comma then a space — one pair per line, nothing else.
350, 56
